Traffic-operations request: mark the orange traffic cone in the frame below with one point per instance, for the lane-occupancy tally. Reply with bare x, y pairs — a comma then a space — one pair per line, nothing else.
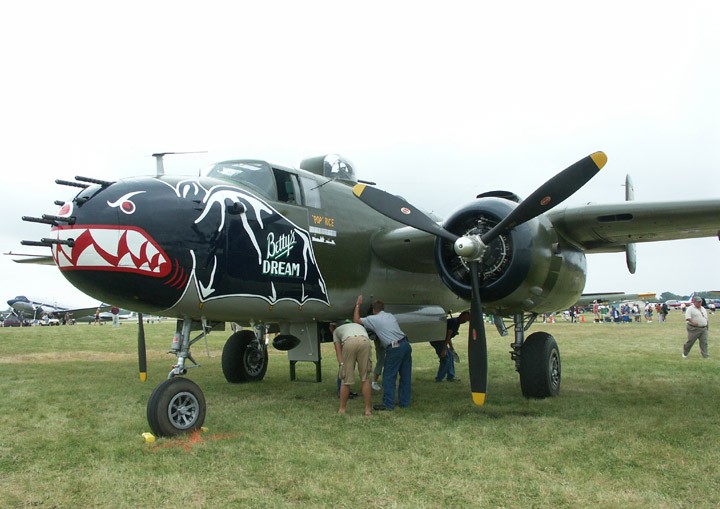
582, 318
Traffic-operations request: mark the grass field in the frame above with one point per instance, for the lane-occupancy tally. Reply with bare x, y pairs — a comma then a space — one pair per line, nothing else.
635, 426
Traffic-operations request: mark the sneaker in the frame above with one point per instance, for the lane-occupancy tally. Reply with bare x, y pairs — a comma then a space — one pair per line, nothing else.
684, 356
453, 379
381, 408
376, 386
353, 395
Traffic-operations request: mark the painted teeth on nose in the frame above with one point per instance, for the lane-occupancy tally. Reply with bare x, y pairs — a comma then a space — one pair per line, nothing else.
91, 258
106, 240
155, 258
136, 242
62, 254
150, 251
67, 234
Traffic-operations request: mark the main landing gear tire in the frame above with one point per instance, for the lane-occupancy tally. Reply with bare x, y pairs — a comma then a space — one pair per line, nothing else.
540, 366
176, 406
243, 360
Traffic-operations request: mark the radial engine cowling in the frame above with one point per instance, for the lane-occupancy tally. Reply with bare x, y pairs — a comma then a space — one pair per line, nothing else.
529, 269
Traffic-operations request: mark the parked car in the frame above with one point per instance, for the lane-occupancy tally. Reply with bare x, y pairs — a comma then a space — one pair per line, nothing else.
11, 321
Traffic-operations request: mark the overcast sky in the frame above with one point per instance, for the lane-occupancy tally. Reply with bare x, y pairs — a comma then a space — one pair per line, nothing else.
437, 101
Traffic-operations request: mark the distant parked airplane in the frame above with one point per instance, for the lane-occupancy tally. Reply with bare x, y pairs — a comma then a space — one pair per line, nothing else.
33, 309
689, 301
106, 316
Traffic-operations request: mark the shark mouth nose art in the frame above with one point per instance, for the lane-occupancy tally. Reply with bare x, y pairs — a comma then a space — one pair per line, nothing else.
108, 248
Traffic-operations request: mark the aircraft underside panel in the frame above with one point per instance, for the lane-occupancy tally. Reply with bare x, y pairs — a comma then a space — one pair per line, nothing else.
420, 323
309, 347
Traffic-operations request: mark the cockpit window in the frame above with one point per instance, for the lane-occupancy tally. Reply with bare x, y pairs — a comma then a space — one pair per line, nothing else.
311, 192
256, 175
288, 190
335, 167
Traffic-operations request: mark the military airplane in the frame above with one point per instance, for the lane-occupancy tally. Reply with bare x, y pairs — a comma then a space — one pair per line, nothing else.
34, 309
288, 250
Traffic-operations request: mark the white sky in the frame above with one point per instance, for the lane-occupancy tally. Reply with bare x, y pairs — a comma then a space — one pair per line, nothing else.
437, 101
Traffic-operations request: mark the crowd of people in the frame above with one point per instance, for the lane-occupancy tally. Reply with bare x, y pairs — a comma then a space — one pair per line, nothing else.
619, 313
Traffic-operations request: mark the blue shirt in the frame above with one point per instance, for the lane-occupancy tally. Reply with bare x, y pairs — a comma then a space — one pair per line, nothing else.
385, 326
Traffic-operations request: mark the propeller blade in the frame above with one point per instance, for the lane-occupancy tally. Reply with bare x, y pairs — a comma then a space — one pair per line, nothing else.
142, 358
477, 343
551, 193
401, 211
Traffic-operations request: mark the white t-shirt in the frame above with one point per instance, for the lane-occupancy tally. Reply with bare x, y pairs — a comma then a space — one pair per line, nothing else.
697, 315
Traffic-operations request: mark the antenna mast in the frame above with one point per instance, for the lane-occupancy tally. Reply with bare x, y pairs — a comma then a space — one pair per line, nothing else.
159, 159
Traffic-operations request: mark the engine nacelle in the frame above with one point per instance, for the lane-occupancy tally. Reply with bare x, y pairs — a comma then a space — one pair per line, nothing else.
529, 269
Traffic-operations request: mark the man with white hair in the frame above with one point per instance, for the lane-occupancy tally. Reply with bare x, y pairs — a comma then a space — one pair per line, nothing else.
697, 327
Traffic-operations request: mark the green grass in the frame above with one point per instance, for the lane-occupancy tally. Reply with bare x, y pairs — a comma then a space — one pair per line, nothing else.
635, 426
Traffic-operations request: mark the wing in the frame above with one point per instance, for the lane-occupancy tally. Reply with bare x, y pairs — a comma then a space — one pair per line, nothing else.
609, 228
406, 248
32, 258
80, 312
603, 298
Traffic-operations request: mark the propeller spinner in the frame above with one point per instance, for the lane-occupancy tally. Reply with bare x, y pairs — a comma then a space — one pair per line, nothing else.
473, 247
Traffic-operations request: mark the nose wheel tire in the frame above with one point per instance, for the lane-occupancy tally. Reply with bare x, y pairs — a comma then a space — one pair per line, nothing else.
540, 366
176, 406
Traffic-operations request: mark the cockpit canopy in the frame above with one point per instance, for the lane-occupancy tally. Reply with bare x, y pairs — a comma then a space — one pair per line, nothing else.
250, 172
332, 166
284, 184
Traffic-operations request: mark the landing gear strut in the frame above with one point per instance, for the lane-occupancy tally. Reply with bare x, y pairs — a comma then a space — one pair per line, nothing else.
537, 360
177, 405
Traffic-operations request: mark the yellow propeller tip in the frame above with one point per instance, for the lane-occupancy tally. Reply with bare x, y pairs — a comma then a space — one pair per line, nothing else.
358, 189
478, 398
599, 158
143, 377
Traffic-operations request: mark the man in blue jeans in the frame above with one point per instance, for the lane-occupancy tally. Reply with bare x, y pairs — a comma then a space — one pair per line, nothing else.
398, 353
445, 349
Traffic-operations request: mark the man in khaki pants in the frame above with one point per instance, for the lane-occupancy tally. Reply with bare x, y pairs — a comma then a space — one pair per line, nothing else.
353, 347
697, 328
